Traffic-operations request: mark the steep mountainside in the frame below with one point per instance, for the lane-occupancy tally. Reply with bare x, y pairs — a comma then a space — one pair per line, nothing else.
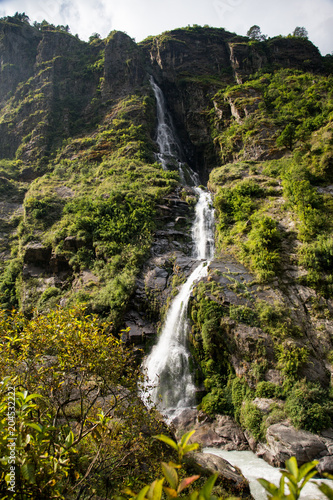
88, 216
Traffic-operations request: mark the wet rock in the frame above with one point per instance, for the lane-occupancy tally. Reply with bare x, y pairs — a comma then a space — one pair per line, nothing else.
229, 430
284, 441
230, 477
326, 465
222, 431
156, 278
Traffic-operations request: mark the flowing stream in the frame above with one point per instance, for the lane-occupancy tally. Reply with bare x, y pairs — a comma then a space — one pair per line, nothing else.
253, 467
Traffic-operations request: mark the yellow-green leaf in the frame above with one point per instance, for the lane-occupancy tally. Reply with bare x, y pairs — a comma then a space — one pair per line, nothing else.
170, 475
167, 440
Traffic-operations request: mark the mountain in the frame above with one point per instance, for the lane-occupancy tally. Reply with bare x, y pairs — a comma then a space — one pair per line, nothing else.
88, 215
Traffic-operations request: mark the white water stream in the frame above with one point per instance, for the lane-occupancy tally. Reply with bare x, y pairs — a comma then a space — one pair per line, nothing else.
170, 385
253, 467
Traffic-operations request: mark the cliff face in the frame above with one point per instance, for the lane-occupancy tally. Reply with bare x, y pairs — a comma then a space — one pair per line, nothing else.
52, 84
192, 65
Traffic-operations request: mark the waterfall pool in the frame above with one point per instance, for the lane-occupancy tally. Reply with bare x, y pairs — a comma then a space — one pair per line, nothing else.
253, 467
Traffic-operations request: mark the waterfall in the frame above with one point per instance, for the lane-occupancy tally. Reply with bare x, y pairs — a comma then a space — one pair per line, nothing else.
169, 381
169, 147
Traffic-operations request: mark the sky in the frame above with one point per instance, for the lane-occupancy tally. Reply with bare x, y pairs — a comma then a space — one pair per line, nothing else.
141, 18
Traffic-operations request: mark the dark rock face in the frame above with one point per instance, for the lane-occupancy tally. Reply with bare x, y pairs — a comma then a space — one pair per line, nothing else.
277, 52
18, 49
181, 60
189, 65
124, 65
170, 263
37, 254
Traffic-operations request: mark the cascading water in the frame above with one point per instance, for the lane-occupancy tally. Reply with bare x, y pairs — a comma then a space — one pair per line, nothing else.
170, 385
169, 147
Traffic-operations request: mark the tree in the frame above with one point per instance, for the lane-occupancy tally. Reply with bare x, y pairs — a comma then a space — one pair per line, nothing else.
300, 32
70, 387
255, 33
287, 137
94, 36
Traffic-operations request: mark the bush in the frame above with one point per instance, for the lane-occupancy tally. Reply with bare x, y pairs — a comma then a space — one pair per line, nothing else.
262, 246
239, 392
78, 414
266, 389
309, 407
275, 319
244, 314
251, 419
291, 358
217, 401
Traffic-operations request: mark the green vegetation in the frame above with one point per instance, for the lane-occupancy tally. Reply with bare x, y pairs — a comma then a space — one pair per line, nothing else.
78, 419
103, 203
217, 329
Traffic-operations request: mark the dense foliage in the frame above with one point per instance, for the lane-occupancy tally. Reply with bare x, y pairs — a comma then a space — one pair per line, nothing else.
79, 426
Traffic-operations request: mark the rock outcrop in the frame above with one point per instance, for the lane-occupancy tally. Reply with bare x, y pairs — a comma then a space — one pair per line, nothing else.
229, 477
284, 441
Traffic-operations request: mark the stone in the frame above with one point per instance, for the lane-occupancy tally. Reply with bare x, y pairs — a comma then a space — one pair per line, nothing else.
229, 476
72, 243
274, 376
221, 431
284, 441
264, 404
156, 278
36, 253
326, 464
228, 429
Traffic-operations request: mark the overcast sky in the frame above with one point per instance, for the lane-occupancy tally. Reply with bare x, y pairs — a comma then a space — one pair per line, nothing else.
141, 18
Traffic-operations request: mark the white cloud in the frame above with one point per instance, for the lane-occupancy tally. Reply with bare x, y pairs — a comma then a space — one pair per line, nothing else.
151, 17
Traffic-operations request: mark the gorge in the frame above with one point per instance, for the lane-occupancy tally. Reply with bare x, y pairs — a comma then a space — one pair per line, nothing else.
105, 148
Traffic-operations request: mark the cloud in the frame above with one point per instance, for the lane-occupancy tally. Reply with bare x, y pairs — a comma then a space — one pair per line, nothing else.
151, 17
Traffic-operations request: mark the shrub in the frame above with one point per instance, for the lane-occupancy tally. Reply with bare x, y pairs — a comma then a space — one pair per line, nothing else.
239, 392
275, 319
309, 407
244, 314
262, 246
267, 389
291, 358
78, 414
251, 419
217, 401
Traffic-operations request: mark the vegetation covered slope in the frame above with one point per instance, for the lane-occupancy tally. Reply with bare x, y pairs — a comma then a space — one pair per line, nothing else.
274, 214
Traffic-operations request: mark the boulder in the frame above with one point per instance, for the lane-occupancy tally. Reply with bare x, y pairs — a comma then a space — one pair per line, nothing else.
229, 477
326, 465
222, 431
284, 441
36, 253
231, 432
